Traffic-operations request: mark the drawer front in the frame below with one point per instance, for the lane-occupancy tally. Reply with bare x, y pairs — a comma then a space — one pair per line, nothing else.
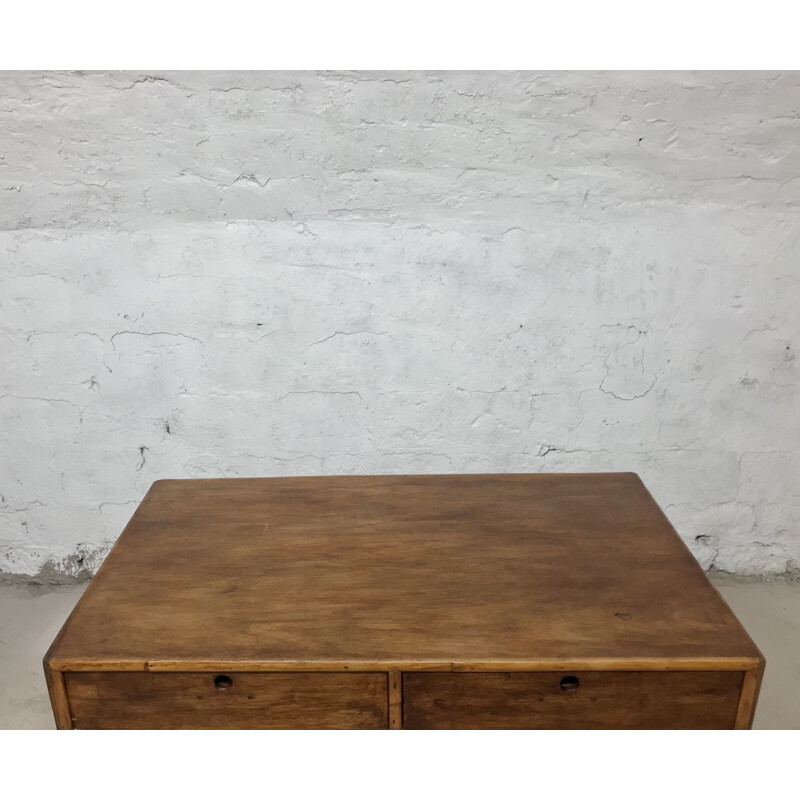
193, 700
549, 700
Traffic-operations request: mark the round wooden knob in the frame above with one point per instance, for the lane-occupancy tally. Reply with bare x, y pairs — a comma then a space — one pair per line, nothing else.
223, 682
570, 683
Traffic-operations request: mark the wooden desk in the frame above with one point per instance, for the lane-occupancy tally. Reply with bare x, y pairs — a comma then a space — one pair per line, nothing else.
431, 601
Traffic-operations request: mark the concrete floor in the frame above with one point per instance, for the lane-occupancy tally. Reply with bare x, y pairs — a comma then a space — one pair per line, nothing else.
31, 616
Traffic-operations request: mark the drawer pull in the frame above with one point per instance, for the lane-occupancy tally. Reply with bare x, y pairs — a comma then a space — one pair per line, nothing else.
223, 682
570, 683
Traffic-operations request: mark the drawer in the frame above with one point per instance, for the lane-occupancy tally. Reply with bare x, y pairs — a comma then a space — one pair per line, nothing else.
234, 700
550, 700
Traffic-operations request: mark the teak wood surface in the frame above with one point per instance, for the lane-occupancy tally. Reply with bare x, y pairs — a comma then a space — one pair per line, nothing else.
392, 574
462, 700
253, 700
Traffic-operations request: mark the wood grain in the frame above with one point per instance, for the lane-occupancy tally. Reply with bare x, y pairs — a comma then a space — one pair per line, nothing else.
603, 700
749, 697
696, 663
139, 700
395, 682
466, 571
59, 700
441, 601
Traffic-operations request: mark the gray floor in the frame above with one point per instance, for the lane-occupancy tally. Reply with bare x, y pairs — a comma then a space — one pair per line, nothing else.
31, 616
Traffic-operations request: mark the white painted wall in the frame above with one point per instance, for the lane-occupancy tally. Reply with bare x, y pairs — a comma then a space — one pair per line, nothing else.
280, 274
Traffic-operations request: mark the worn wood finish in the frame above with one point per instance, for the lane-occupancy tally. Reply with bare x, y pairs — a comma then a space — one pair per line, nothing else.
466, 573
378, 569
535, 700
192, 700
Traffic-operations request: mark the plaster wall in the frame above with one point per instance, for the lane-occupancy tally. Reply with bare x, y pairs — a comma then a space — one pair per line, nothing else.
222, 274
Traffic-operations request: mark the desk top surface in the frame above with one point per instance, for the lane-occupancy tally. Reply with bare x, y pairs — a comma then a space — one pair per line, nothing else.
401, 572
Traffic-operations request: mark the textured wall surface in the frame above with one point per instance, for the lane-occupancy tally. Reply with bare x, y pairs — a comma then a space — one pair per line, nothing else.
296, 273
